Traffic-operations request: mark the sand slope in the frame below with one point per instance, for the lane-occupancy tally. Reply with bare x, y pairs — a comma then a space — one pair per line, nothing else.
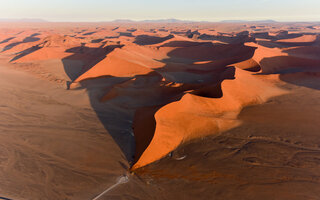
225, 110
195, 116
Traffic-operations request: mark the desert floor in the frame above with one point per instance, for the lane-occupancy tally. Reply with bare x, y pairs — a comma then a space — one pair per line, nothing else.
185, 111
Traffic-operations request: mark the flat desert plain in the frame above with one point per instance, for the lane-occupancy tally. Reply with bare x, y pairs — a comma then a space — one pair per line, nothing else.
136, 111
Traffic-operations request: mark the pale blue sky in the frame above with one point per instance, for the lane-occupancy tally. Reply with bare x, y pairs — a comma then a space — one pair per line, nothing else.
209, 10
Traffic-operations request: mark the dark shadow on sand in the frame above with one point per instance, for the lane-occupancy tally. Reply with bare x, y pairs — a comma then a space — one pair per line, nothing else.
149, 40
294, 70
31, 38
4, 198
25, 53
7, 40
143, 95
89, 57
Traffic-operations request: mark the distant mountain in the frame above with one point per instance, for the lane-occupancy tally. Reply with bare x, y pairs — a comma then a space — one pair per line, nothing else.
153, 21
164, 21
248, 21
123, 21
265, 21
233, 21
22, 20
167, 21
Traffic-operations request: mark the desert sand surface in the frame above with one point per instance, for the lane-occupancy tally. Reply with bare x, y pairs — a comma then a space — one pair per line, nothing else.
179, 111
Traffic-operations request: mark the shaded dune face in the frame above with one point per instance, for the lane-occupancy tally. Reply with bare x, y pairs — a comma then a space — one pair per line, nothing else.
249, 65
290, 40
192, 68
149, 40
283, 60
89, 57
230, 39
74, 56
196, 116
29, 39
170, 88
299, 41
287, 64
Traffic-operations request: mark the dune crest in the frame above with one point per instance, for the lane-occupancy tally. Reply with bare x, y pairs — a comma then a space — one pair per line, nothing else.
195, 116
224, 110
286, 60
127, 61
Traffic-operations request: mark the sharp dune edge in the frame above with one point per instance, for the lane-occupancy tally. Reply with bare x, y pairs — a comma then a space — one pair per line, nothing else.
156, 90
194, 116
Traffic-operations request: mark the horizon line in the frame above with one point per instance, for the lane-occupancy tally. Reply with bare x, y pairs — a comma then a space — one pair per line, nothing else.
165, 20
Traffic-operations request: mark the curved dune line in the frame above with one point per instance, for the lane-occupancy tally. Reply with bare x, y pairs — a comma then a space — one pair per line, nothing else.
113, 66
195, 116
50, 47
301, 39
128, 61
275, 60
45, 53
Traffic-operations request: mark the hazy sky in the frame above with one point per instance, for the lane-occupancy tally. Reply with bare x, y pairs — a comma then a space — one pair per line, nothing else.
209, 10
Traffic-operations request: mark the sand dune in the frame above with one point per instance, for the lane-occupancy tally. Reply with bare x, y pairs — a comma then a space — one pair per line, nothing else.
285, 60
196, 116
300, 40
218, 105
